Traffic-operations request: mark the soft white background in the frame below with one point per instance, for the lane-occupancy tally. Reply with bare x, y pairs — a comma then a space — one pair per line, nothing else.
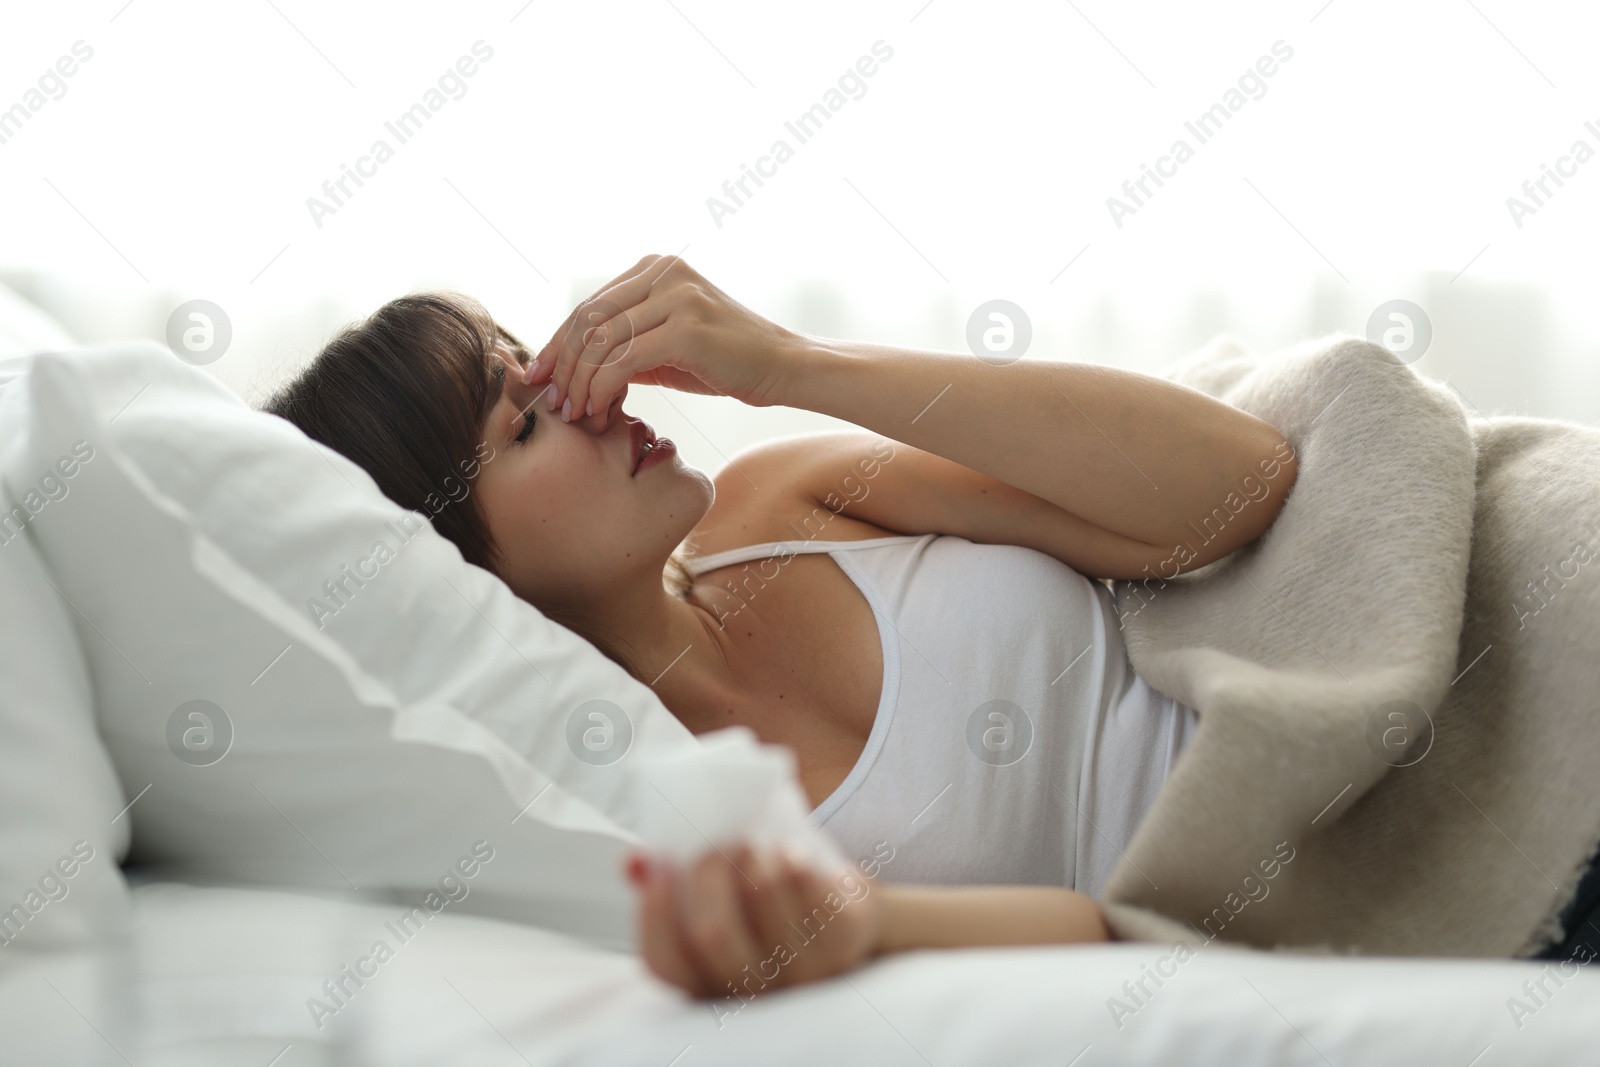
976, 165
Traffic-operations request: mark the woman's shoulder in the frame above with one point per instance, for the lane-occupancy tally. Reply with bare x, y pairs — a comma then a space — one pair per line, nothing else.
767, 493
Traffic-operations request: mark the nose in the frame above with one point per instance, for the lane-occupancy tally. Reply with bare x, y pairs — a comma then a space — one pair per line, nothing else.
597, 423
601, 421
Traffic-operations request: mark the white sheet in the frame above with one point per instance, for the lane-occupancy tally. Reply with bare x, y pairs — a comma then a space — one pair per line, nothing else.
227, 972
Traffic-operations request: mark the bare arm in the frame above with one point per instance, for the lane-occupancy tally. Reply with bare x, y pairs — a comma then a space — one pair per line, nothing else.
738, 916
1133, 454
950, 917
1138, 457
896, 487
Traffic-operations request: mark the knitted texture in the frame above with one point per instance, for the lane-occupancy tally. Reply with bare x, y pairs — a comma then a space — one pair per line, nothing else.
1398, 749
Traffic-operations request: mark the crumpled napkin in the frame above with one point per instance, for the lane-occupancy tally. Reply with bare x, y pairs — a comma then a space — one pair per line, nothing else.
732, 790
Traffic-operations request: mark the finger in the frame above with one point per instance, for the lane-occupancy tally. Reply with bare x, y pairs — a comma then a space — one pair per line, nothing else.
539, 365
607, 324
773, 905
660, 940
646, 362
718, 934
600, 421
610, 341
647, 355
567, 322
666, 376
635, 286
629, 288
566, 349
792, 876
635, 363
809, 890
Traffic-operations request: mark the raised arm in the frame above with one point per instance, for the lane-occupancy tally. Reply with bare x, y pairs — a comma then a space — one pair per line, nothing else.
1134, 454
1137, 456
904, 489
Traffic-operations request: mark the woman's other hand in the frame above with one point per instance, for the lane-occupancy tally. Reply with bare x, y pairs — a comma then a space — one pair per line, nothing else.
661, 323
751, 920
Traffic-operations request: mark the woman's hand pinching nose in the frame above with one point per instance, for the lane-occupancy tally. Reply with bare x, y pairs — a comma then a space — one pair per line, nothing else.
662, 323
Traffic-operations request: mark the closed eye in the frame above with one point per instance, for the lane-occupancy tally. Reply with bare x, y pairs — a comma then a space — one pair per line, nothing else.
528, 418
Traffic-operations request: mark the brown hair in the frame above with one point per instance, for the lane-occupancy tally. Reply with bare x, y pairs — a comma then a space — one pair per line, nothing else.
404, 394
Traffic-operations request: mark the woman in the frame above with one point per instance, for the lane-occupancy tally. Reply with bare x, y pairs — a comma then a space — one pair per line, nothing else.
908, 607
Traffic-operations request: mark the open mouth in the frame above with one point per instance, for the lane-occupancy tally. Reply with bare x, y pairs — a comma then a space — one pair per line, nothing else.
644, 440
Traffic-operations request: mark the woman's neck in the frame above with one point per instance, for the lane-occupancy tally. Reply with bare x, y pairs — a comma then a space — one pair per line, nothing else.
681, 648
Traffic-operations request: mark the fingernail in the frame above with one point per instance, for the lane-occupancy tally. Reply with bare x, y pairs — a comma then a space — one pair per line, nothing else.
566, 410
552, 396
588, 406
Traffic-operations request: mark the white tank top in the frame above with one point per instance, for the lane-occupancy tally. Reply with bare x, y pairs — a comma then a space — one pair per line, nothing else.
1013, 742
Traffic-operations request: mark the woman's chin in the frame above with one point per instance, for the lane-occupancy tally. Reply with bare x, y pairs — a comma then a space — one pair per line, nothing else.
676, 488
688, 474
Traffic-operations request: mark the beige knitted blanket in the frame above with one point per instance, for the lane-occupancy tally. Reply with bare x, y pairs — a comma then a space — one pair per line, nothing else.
1398, 749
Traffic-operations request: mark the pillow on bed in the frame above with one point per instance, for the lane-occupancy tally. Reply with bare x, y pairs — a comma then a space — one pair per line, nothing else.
304, 683
61, 831
64, 915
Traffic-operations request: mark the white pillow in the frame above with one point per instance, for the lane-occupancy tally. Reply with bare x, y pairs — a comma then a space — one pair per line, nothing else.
372, 748
64, 905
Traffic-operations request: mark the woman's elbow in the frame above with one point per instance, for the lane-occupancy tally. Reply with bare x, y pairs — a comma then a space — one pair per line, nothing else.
1250, 505
1270, 482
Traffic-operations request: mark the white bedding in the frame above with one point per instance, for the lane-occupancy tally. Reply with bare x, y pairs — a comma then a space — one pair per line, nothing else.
226, 974
221, 977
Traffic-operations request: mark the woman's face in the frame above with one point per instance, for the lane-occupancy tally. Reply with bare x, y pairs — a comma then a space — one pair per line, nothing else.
572, 522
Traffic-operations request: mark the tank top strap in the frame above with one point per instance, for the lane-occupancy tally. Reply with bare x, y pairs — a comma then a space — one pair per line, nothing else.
699, 564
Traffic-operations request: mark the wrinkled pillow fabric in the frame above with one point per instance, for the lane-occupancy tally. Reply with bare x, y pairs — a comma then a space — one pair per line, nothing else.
301, 682
64, 904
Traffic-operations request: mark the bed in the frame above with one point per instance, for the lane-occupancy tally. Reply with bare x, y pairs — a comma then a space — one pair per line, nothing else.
230, 943
225, 973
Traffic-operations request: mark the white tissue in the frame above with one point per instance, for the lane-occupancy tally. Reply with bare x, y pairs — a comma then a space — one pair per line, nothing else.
733, 790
